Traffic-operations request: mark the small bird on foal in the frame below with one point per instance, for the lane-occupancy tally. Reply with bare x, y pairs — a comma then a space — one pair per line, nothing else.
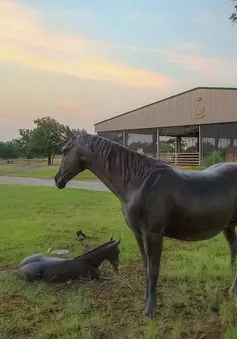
80, 235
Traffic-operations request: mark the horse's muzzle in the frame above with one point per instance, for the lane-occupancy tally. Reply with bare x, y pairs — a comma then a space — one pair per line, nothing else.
59, 182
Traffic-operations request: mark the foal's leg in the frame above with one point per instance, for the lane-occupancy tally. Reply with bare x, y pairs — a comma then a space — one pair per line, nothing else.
153, 248
231, 237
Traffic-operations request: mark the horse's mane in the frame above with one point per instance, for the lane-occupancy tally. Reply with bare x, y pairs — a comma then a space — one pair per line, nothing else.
109, 244
121, 160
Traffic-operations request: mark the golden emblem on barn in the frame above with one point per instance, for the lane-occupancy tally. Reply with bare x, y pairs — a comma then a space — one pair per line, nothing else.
199, 113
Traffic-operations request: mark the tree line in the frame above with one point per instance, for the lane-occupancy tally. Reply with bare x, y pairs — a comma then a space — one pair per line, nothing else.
45, 140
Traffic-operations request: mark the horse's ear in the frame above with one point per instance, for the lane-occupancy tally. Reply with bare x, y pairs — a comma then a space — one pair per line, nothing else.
111, 238
118, 242
69, 133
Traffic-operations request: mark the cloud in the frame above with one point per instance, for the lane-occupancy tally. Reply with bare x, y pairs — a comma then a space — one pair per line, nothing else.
2, 121
187, 46
217, 69
71, 108
67, 104
144, 17
25, 41
205, 18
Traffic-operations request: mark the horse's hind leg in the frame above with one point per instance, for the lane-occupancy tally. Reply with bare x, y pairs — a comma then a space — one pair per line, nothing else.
231, 237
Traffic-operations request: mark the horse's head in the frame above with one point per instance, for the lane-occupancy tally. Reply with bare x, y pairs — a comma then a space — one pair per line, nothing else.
73, 159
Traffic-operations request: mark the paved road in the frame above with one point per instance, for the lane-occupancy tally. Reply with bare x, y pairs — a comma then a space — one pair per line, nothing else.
88, 185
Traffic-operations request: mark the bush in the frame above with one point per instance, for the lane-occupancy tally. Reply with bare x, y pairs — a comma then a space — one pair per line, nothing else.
213, 158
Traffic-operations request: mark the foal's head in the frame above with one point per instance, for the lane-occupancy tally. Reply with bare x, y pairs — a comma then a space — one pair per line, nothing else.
73, 159
113, 254
108, 251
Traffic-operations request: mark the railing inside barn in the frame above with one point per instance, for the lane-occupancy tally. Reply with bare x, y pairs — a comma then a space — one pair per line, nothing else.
179, 159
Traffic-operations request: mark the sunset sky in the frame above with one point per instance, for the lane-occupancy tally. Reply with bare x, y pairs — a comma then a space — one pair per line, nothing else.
84, 61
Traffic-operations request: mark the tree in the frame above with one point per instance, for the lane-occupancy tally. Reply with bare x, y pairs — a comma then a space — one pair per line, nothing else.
115, 136
9, 151
24, 143
79, 131
168, 146
47, 138
233, 16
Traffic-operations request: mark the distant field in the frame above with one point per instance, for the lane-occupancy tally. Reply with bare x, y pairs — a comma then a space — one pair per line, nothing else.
29, 162
45, 172
193, 301
42, 173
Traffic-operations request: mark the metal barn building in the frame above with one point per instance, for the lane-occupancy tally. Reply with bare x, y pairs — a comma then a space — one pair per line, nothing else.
181, 129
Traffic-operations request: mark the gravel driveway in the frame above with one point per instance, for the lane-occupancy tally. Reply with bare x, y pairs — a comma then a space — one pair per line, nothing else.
87, 185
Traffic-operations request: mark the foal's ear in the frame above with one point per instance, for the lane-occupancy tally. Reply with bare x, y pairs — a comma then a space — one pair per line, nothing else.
111, 238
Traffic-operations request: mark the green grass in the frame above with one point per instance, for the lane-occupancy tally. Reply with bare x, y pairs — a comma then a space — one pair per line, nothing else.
4, 170
193, 301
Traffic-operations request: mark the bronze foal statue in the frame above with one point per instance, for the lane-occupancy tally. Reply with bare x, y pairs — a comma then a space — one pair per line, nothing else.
85, 266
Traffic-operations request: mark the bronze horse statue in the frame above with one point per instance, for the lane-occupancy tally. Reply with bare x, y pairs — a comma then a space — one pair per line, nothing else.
158, 200
85, 266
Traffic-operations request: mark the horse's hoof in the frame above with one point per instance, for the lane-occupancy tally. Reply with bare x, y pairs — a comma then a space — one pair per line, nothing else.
149, 313
233, 290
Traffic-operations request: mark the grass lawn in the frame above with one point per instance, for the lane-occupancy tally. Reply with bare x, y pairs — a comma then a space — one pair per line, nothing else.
193, 287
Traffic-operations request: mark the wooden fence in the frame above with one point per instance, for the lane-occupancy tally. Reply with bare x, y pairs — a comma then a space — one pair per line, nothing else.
36, 162
179, 159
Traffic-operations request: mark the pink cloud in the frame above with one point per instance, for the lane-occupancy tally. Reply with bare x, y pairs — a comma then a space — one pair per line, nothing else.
71, 108
216, 68
187, 46
67, 104
25, 41
3, 121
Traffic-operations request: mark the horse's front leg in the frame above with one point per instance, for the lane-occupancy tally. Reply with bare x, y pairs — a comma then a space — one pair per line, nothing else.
139, 239
233, 289
153, 246
230, 235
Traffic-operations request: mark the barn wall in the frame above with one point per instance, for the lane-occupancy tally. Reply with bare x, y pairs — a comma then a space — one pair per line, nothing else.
216, 106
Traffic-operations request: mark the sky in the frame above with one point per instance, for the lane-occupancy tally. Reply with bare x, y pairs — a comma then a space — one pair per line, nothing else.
84, 61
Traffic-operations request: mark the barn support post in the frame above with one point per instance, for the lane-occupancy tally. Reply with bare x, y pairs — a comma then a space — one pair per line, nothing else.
200, 144
178, 141
124, 138
176, 149
157, 143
